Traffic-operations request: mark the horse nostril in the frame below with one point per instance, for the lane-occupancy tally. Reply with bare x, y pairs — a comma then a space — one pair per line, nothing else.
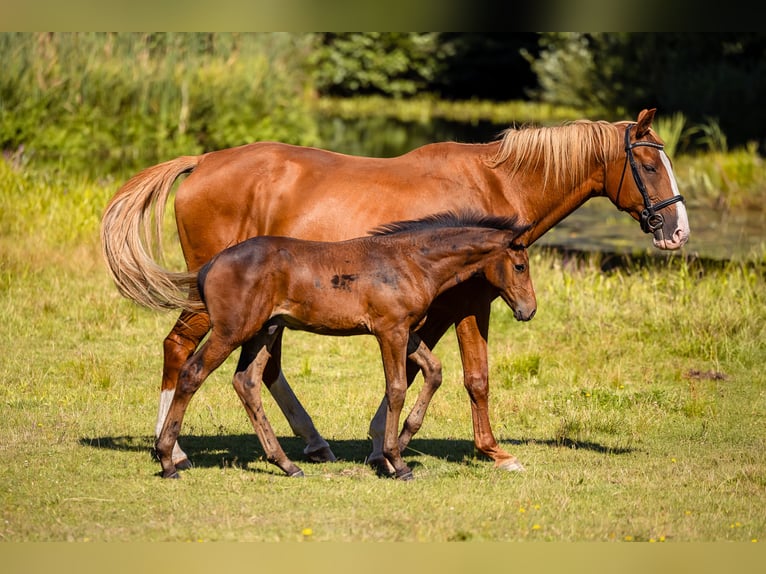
679, 236
520, 316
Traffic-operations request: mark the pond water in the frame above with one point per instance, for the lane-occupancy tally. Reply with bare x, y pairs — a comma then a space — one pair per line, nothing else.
598, 226
595, 227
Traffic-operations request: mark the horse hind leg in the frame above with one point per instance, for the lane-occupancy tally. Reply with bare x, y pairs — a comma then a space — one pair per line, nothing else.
247, 383
194, 372
178, 347
317, 448
432, 374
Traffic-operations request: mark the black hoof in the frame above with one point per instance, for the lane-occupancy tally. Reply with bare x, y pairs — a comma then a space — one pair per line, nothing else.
405, 475
381, 471
185, 464
323, 454
173, 474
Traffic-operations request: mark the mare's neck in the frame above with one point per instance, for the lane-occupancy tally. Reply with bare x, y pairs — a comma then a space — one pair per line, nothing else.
543, 206
551, 206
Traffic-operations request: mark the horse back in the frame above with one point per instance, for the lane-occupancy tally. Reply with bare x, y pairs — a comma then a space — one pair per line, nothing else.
271, 188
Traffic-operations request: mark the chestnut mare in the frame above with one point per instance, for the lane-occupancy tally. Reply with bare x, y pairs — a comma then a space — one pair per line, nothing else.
381, 285
539, 175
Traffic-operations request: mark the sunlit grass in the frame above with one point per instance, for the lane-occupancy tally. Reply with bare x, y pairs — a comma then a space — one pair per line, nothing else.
635, 400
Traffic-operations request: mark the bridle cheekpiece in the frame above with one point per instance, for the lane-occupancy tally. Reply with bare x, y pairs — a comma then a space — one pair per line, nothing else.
650, 219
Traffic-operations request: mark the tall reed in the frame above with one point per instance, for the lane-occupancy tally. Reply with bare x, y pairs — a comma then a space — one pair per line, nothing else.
121, 98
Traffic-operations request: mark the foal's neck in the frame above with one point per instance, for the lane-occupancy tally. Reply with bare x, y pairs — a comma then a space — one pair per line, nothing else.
459, 257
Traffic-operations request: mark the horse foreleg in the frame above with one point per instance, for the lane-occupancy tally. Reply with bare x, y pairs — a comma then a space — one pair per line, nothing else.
377, 430
248, 386
472, 333
178, 347
435, 326
317, 449
393, 349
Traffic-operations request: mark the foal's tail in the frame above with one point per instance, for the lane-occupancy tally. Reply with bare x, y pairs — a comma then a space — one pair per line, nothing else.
131, 240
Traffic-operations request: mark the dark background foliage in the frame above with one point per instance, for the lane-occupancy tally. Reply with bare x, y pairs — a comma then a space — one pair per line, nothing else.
136, 97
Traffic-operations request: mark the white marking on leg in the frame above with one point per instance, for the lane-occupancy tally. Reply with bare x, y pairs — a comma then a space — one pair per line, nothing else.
166, 397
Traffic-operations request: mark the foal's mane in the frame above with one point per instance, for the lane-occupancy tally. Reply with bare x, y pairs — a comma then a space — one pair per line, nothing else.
563, 153
450, 219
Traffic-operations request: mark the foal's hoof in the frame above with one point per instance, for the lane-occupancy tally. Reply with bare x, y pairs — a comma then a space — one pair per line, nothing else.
510, 465
406, 474
173, 474
297, 474
183, 464
322, 454
381, 466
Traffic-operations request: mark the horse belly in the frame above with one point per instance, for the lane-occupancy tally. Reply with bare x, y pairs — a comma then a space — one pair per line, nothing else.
325, 319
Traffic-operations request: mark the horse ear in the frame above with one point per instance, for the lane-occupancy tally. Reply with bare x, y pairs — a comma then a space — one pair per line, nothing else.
644, 122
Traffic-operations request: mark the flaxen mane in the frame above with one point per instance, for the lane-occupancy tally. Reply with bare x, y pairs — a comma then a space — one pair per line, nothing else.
564, 152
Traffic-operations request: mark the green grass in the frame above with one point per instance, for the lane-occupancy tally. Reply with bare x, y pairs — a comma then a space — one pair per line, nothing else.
636, 400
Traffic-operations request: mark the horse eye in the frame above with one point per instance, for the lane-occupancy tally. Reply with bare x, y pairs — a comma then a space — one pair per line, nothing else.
520, 267
650, 168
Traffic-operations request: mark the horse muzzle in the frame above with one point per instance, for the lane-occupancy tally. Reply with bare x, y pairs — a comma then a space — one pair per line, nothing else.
524, 314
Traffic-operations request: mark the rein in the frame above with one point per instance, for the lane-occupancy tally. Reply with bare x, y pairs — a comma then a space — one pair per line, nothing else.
650, 219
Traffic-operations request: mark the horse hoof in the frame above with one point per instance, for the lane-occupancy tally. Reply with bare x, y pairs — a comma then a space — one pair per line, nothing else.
183, 464
511, 465
173, 474
405, 475
297, 474
381, 466
322, 454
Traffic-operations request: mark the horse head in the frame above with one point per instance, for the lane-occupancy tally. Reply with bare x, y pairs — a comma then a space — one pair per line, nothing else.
509, 273
650, 194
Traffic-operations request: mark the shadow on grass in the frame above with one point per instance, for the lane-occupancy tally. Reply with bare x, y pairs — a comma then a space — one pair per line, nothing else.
573, 444
216, 451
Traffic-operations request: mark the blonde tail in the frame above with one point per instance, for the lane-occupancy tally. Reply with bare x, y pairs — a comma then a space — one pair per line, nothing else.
132, 246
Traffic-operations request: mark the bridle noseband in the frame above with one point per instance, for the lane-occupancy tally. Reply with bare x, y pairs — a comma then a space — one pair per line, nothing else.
650, 220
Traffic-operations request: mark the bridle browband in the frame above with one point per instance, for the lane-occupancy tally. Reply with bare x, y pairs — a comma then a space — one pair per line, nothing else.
650, 220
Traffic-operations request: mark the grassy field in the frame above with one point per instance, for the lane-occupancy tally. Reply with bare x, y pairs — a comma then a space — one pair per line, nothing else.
636, 400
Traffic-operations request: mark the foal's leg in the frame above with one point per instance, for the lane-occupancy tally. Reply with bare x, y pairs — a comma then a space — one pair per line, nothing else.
178, 347
194, 372
247, 383
432, 375
317, 449
435, 326
472, 332
393, 349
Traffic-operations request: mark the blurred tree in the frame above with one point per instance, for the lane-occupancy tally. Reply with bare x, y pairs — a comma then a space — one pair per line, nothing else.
452, 65
706, 76
486, 66
392, 63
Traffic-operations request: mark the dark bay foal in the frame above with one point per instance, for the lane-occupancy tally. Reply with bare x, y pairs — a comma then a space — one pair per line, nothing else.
382, 285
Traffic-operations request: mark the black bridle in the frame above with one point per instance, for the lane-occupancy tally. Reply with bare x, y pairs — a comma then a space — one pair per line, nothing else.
650, 220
